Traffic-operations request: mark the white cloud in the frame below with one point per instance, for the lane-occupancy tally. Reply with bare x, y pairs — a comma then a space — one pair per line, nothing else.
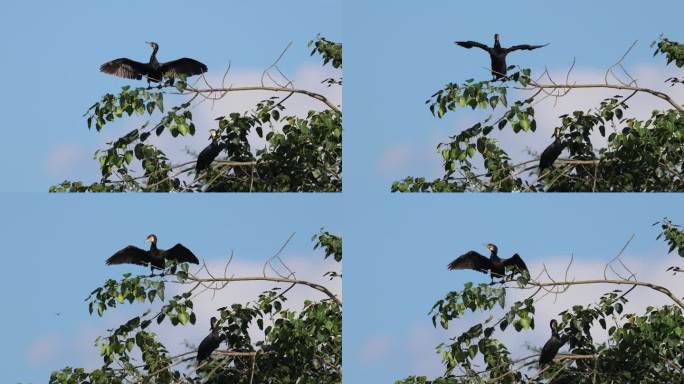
179, 149
80, 351
43, 349
408, 158
205, 305
419, 341
646, 268
397, 157
307, 77
548, 111
62, 158
377, 348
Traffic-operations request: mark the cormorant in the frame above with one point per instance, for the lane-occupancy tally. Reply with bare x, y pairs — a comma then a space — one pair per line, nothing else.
497, 53
550, 349
551, 152
154, 257
208, 154
210, 343
154, 70
494, 264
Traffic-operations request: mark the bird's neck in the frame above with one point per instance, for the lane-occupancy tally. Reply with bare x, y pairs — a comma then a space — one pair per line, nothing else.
153, 246
153, 57
494, 255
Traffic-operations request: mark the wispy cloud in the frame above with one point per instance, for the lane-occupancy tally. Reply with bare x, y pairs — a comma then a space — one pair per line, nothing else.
182, 149
62, 159
418, 341
43, 349
377, 348
205, 305
398, 158
419, 157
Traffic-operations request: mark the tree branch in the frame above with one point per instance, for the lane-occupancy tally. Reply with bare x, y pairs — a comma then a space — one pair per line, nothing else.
315, 286
655, 287
314, 95
653, 92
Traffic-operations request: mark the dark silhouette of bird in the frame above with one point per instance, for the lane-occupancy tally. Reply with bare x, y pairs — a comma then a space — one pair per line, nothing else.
497, 53
208, 154
551, 152
210, 342
153, 70
553, 344
493, 264
154, 257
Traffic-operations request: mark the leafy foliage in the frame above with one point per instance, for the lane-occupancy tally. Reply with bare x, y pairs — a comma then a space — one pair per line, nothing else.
640, 155
302, 153
640, 348
331, 243
295, 346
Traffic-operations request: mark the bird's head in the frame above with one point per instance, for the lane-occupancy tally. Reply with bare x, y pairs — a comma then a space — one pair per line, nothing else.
553, 324
212, 321
496, 37
152, 239
213, 134
492, 247
557, 132
152, 44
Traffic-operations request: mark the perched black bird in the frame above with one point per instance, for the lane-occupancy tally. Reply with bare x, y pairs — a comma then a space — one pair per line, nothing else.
551, 152
211, 342
497, 53
550, 349
154, 70
208, 154
155, 257
494, 264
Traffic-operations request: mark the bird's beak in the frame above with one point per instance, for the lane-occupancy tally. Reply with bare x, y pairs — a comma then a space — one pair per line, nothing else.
149, 239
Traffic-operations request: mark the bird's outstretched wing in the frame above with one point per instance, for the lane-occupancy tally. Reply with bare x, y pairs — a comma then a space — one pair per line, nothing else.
526, 47
181, 254
184, 66
471, 260
515, 261
129, 255
469, 44
125, 68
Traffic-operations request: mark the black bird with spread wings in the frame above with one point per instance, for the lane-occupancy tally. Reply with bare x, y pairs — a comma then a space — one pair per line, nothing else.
154, 257
208, 154
551, 152
497, 53
493, 264
153, 70
210, 342
553, 344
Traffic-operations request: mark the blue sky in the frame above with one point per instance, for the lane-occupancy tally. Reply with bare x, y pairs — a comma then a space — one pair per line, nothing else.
398, 55
396, 264
53, 51
395, 253
54, 249
396, 247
